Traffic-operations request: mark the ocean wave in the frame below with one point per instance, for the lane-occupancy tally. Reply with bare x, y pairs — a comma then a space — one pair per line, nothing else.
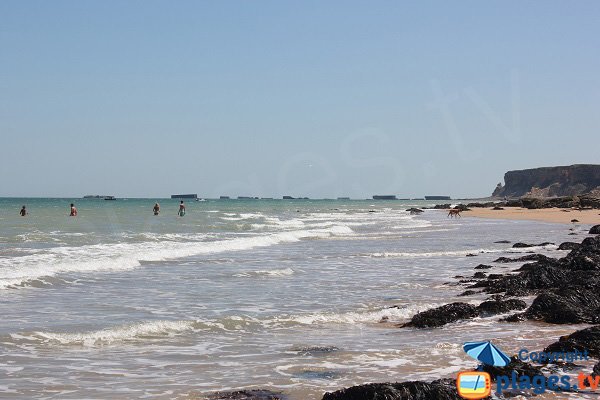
123, 333
390, 314
433, 253
162, 329
267, 273
17, 271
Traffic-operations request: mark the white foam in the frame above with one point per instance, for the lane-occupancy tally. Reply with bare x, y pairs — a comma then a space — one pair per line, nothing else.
123, 256
353, 317
434, 253
272, 273
149, 329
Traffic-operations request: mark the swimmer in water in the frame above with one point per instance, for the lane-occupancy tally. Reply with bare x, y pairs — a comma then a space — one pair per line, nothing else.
73, 211
181, 209
23, 211
156, 208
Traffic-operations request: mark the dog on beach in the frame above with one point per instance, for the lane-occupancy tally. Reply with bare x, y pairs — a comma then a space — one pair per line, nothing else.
454, 213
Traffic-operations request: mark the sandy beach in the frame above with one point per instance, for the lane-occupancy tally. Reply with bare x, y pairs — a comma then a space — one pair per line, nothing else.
557, 215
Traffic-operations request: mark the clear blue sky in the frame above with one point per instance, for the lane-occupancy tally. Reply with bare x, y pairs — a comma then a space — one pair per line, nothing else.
315, 98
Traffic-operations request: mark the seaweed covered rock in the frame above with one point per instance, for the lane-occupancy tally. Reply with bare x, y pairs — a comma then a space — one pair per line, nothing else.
443, 315
440, 390
517, 366
247, 395
569, 246
497, 306
566, 306
585, 339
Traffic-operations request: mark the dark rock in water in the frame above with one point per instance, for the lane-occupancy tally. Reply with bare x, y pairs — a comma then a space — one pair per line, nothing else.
247, 395
503, 260
569, 246
528, 257
315, 350
522, 245
462, 207
479, 275
441, 206
442, 315
519, 317
471, 255
492, 307
503, 241
595, 230
414, 211
483, 266
568, 306
517, 366
574, 220
572, 233
444, 389
585, 339
468, 293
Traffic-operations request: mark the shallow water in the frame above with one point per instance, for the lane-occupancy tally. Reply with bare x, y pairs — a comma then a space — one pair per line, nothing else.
285, 295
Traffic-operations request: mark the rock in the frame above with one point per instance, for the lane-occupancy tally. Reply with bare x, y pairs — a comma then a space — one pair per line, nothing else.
462, 207
247, 395
492, 307
441, 206
528, 257
517, 366
519, 317
585, 339
568, 306
483, 266
442, 315
468, 293
497, 208
414, 211
574, 220
416, 390
595, 230
479, 275
522, 245
502, 241
471, 255
569, 246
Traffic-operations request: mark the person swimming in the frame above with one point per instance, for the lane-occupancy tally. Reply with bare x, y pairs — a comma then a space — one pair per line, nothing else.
73, 211
181, 209
23, 211
156, 208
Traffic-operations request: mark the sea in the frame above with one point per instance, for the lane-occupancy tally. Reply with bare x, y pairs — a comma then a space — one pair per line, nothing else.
295, 296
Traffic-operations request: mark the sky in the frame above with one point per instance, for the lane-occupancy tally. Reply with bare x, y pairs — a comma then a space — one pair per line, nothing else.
302, 98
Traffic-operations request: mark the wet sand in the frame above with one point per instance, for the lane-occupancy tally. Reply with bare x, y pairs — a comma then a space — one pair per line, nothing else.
557, 215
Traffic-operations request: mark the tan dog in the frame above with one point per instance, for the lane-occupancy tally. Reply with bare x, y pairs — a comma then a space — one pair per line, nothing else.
454, 213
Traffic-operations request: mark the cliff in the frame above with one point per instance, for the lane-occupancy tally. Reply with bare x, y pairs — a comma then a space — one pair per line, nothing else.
550, 181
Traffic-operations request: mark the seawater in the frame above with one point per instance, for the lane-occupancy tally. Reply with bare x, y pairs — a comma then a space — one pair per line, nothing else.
300, 296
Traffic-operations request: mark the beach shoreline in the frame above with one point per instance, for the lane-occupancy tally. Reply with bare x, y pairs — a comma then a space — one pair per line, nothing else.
552, 215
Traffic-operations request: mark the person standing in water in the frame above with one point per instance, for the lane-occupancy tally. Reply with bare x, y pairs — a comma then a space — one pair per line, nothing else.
73, 211
181, 209
156, 208
23, 211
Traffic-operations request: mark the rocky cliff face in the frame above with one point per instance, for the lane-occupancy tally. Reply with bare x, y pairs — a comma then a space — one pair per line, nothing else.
550, 181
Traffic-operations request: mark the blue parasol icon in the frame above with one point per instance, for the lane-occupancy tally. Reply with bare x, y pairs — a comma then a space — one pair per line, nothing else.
487, 353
